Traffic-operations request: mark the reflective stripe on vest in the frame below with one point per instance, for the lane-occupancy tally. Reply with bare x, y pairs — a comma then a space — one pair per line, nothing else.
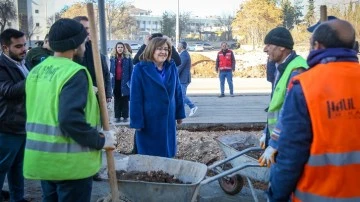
56, 147
225, 61
44, 129
307, 197
340, 159
49, 153
332, 171
278, 96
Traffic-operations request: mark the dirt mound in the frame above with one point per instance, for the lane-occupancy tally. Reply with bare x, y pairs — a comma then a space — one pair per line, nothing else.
204, 67
258, 71
149, 176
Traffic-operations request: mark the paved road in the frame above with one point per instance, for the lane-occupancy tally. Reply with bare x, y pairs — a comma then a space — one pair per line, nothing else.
211, 86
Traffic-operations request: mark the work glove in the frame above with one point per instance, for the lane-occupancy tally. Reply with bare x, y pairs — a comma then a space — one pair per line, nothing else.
262, 141
268, 157
110, 139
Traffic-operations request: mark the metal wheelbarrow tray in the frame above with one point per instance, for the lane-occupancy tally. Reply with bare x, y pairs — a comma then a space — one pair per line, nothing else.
250, 168
189, 172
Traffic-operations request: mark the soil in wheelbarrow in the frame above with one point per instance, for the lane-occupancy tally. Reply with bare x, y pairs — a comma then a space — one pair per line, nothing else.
242, 146
149, 176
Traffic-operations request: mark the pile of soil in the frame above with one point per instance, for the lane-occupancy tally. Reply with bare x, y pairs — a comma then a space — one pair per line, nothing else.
149, 176
204, 67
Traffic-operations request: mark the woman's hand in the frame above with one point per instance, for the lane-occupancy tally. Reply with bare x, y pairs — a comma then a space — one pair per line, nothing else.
179, 121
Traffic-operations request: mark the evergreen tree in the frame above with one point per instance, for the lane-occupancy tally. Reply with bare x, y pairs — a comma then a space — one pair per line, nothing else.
310, 15
168, 24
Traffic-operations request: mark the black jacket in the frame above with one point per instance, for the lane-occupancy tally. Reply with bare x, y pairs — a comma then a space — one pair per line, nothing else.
174, 55
36, 55
12, 98
88, 62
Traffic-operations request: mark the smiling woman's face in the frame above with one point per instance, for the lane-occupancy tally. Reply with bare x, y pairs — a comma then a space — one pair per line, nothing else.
161, 53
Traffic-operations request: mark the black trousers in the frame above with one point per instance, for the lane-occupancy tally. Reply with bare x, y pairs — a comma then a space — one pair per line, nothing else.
121, 103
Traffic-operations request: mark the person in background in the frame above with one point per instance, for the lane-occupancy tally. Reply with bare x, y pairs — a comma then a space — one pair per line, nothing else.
319, 142
38, 54
225, 63
63, 145
88, 61
128, 48
121, 68
185, 75
279, 47
175, 56
12, 113
156, 102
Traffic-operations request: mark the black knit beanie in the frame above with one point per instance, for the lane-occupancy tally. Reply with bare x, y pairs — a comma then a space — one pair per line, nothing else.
66, 34
280, 36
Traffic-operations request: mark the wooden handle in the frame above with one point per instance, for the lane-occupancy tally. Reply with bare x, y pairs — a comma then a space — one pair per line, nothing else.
102, 101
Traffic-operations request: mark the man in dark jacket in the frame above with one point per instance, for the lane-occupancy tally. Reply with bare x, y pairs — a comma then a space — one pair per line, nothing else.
175, 56
12, 111
38, 54
88, 61
185, 75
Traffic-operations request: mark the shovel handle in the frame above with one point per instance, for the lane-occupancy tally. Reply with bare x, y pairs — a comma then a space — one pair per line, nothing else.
102, 101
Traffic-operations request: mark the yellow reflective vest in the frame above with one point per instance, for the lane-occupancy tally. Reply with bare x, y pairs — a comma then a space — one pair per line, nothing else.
50, 154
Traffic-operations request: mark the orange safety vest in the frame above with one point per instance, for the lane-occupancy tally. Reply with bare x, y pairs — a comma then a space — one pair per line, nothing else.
332, 172
225, 62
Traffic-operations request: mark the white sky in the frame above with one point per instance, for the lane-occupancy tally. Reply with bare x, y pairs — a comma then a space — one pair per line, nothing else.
196, 7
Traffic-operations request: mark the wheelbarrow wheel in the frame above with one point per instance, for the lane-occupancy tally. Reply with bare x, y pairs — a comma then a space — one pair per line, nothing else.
231, 185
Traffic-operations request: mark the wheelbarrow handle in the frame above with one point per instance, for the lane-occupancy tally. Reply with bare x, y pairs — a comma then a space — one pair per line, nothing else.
218, 176
234, 156
227, 172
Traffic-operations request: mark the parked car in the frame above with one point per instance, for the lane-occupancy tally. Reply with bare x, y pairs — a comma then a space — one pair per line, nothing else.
207, 46
196, 47
234, 45
135, 46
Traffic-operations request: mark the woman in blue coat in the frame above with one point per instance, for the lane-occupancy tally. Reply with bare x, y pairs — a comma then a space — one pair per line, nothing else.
156, 102
121, 68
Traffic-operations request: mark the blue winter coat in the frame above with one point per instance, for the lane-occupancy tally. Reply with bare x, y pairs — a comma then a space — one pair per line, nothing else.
154, 108
127, 68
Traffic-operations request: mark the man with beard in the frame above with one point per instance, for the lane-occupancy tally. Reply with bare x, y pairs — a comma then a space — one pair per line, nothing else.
12, 112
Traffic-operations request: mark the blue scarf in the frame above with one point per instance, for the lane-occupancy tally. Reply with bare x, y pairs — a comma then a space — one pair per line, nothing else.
324, 56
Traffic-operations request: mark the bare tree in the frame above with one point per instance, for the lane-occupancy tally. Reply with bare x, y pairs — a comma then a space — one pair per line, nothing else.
52, 19
226, 22
32, 29
118, 17
7, 13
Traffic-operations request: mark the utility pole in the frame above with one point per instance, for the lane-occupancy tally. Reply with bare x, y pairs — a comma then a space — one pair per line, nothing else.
323, 13
177, 24
102, 23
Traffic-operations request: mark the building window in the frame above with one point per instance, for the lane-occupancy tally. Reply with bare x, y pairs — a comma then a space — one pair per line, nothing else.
36, 11
37, 24
9, 24
37, 37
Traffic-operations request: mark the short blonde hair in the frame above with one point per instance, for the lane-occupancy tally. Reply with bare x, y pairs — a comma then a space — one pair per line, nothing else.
148, 54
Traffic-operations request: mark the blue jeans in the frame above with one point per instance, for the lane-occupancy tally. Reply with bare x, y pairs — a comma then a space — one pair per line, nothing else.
187, 101
228, 76
11, 164
67, 190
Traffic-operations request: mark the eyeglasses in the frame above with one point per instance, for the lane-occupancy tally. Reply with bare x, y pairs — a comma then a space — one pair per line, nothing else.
161, 48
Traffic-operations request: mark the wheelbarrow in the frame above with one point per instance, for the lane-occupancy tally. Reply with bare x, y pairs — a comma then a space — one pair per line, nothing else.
192, 173
232, 184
